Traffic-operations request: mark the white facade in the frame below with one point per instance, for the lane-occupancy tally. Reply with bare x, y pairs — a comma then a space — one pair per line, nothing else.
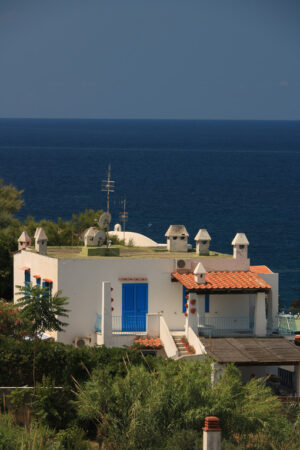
81, 279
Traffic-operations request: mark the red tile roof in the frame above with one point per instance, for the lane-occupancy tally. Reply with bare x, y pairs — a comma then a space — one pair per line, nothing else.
48, 280
260, 269
223, 281
149, 342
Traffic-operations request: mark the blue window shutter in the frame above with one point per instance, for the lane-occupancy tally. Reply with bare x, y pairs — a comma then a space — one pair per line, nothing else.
27, 276
207, 303
184, 300
48, 284
38, 281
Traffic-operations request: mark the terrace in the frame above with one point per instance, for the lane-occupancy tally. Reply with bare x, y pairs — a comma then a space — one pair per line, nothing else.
128, 252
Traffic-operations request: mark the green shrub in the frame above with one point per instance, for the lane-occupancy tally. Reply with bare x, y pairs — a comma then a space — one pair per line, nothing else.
13, 437
62, 363
146, 408
51, 405
71, 439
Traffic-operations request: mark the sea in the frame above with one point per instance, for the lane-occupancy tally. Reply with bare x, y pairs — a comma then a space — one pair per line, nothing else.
226, 176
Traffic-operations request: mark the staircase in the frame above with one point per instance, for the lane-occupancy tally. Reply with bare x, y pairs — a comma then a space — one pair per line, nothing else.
180, 346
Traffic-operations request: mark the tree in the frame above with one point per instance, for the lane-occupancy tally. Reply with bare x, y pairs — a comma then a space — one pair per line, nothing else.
11, 321
43, 310
10, 202
148, 408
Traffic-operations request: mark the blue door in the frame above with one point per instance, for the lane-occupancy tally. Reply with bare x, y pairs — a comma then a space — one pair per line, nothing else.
134, 306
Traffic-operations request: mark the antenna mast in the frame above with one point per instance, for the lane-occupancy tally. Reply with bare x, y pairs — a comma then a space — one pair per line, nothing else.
124, 217
108, 186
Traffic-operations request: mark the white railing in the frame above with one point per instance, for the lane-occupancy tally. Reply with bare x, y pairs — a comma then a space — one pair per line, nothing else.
224, 326
194, 341
167, 339
124, 325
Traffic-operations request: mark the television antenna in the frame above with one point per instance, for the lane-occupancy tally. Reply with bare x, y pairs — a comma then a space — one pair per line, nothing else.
124, 217
108, 186
105, 219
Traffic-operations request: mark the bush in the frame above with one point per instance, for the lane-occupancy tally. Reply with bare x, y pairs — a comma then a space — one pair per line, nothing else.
147, 408
14, 437
51, 405
70, 439
62, 363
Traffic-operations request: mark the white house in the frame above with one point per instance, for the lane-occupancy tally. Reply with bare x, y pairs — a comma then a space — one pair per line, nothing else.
172, 292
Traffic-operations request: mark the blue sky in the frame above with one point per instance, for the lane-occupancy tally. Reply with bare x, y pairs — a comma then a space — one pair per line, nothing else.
188, 59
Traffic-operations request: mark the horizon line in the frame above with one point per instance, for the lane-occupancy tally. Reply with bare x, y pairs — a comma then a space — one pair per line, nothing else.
150, 119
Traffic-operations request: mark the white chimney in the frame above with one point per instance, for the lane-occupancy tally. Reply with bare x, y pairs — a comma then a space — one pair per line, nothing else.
240, 246
24, 241
200, 274
202, 239
40, 241
177, 238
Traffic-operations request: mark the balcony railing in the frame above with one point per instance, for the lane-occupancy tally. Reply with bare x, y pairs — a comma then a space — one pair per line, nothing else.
224, 326
286, 324
124, 324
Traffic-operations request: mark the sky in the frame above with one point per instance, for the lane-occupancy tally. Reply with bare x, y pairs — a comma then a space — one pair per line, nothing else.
150, 59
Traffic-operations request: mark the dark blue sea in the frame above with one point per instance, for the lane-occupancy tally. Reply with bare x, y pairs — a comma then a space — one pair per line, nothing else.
226, 176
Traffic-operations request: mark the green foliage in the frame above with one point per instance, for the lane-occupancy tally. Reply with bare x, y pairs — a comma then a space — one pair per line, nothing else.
11, 321
10, 202
185, 440
8, 244
19, 398
42, 309
13, 437
61, 362
71, 438
143, 402
64, 233
145, 408
52, 405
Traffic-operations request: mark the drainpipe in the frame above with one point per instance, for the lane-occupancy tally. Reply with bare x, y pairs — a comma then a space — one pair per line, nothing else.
212, 433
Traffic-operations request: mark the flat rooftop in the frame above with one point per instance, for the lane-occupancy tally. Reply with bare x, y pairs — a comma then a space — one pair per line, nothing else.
252, 351
128, 252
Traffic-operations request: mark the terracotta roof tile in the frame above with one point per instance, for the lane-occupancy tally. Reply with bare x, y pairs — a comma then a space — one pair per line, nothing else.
149, 342
223, 281
260, 269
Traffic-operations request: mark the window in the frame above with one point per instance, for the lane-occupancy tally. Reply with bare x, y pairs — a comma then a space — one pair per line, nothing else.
241, 246
203, 242
184, 300
38, 281
207, 303
182, 238
174, 238
48, 284
27, 281
27, 276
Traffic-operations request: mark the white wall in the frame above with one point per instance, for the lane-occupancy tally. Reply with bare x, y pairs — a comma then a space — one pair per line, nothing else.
81, 279
229, 305
273, 298
41, 265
